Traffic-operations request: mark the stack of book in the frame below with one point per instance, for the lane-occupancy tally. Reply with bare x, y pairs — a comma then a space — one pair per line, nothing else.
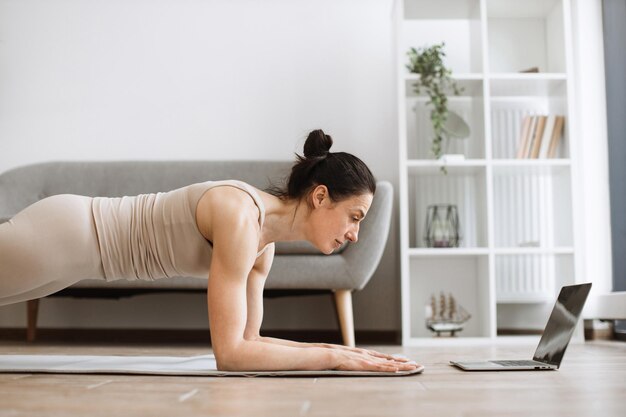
540, 136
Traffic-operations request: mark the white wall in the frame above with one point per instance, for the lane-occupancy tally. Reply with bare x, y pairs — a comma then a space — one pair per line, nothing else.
197, 79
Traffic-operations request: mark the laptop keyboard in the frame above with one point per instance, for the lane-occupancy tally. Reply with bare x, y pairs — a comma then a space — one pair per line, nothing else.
517, 363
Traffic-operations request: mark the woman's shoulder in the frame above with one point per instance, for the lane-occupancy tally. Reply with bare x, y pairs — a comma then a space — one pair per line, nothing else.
229, 181
226, 187
230, 202
226, 205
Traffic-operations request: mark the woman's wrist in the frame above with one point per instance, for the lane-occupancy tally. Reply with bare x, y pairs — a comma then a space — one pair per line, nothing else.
329, 346
332, 358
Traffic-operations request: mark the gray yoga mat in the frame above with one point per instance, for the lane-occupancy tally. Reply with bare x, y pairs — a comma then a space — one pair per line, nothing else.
202, 365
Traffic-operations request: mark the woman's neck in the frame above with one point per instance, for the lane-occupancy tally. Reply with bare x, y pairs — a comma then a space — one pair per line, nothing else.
284, 220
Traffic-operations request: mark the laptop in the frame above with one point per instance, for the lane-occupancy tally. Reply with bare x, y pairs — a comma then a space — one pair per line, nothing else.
554, 340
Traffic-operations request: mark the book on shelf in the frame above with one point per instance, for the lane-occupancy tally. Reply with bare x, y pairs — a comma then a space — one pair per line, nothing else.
521, 149
545, 138
557, 133
526, 139
536, 144
540, 136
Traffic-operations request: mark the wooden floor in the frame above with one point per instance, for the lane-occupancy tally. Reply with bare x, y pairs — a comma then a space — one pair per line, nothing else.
591, 382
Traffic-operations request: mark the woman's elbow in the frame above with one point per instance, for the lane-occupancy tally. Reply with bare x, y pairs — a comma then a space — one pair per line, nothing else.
228, 358
225, 362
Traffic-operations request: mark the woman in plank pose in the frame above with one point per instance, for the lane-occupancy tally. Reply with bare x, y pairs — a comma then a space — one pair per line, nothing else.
223, 230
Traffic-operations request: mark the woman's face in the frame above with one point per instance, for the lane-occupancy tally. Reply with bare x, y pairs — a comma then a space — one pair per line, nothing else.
332, 223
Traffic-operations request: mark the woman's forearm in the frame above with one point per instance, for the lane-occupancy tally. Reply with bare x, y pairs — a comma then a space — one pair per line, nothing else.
262, 356
285, 342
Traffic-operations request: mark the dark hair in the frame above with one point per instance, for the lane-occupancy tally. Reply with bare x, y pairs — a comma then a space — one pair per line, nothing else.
342, 173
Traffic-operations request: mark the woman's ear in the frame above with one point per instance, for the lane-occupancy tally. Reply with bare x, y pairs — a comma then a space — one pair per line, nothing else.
319, 194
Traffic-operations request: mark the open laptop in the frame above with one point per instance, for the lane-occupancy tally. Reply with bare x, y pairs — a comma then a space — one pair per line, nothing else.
555, 338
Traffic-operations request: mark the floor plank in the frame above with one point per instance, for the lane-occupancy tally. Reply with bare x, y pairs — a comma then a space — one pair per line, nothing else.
591, 382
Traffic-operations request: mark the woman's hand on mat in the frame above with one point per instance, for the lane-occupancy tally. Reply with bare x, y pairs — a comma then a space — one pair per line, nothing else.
364, 351
349, 360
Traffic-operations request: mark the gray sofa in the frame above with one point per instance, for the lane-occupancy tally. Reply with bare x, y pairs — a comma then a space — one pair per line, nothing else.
296, 266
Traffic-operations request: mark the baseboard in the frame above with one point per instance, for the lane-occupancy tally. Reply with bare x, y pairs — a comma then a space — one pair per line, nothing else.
589, 334
518, 332
175, 336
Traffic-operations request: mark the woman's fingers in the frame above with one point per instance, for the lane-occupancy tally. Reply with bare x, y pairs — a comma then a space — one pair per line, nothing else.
402, 365
395, 361
377, 360
394, 366
385, 356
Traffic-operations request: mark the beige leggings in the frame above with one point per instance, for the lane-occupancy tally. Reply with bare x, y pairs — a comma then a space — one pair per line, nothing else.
48, 246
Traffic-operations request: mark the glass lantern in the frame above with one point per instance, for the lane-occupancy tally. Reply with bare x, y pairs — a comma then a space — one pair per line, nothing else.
442, 226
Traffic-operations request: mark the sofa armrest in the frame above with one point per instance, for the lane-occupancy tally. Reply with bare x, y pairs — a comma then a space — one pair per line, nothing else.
9, 200
362, 258
18, 191
6, 209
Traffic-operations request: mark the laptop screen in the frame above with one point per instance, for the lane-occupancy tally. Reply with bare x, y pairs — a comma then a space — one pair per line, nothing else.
561, 324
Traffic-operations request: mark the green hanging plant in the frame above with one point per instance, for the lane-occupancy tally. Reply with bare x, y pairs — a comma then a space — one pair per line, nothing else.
434, 79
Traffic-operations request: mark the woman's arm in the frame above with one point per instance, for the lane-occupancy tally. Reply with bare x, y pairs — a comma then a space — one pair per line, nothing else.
235, 239
256, 282
254, 289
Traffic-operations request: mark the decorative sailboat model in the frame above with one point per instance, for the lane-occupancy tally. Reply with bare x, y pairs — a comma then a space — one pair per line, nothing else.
450, 316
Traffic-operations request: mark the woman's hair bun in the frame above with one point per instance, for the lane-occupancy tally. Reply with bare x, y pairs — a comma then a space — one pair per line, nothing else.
317, 144
342, 173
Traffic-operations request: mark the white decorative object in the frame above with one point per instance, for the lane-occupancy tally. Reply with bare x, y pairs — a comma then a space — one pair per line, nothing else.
446, 316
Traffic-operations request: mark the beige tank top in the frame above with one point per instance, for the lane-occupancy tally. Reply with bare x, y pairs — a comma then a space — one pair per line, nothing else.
152, 236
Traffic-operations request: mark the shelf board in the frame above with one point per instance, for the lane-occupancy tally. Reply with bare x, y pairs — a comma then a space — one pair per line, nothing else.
527, 76
428, 252
509, 162
518, 340
471, 341
525, 300
472, 84
555, 166
502, 84
457, 76
512, 162
449, 341
433, 166
563, 250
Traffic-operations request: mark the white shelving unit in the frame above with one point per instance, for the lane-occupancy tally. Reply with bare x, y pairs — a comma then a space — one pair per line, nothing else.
503, 203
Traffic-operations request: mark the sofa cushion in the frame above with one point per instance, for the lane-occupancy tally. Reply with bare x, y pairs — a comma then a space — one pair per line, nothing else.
288, 272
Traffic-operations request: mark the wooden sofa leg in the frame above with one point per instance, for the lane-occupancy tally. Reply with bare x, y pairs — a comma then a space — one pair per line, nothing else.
343, 302
33, 310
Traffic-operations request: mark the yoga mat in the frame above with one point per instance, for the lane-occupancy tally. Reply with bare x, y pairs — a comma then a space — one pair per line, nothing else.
202, 365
